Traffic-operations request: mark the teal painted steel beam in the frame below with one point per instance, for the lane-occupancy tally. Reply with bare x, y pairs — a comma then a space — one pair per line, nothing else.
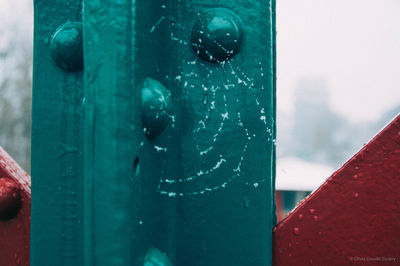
111, 133
57, 147
195, 186
273, 10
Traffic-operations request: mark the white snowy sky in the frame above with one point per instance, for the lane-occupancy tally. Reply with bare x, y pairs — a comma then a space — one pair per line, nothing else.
18, 12
353, 44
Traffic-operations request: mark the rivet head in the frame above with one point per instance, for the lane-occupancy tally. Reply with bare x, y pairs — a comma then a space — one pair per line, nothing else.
156, 107
10, 198
216, 35
67, 47
155, 257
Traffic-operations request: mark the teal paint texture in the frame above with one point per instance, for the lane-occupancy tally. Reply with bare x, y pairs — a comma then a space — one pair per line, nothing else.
57, 143
198, 192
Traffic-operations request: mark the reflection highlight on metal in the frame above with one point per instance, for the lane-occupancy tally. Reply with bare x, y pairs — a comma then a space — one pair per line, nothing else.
216, 35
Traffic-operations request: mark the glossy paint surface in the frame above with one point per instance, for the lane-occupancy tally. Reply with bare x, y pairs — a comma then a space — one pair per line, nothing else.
15, 210
57, 129
200, 190
354, 217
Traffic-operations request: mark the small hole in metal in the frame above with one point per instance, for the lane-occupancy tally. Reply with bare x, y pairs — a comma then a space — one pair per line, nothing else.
136, 166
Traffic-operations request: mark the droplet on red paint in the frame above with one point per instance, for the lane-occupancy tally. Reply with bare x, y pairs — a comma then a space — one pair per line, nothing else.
309, 243
312, 211
315, 218
311, 262
355, 176
274, 230
300, 217
296, 231
355, 195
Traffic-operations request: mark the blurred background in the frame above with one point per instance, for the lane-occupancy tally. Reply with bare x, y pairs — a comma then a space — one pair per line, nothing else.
16, 39
338, 84
338, 71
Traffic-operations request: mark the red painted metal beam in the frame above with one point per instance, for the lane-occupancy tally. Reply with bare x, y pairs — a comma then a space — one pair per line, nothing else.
15, 211
354, 217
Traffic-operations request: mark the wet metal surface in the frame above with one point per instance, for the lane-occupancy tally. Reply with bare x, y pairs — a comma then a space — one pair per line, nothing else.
354, 217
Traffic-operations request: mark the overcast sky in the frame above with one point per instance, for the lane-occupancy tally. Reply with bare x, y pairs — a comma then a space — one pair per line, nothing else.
353, 44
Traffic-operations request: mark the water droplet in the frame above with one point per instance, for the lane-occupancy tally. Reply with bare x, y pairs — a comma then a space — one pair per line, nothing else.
296, 231
205, 99
315, 218
309, 243
136, 166
355, 176
355, 195
246, 202
274, 230
311, 262
300, 217
312, 211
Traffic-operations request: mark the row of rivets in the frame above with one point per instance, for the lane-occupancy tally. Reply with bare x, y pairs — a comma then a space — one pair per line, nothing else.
216, 37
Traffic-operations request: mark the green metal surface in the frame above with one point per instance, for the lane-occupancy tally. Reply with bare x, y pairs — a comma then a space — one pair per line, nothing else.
112, 131
199, 191
273, 3
57, 173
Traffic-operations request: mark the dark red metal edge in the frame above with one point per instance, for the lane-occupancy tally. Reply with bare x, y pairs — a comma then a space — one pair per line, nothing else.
354, 217
15, 231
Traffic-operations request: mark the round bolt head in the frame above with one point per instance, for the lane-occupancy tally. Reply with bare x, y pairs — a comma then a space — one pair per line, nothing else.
217, 35
155, 257
10, 198
156, 107
66, 47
